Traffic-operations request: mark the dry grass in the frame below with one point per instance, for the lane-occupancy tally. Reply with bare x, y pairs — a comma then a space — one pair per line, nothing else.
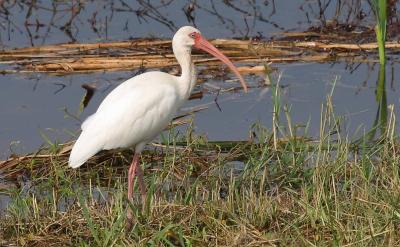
141, 53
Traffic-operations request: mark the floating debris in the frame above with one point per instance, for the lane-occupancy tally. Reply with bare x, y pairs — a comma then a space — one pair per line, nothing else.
149, 53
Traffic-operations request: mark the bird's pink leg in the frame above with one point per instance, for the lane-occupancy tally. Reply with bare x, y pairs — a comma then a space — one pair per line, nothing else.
142, 186
131, 179
134, 170
131, 175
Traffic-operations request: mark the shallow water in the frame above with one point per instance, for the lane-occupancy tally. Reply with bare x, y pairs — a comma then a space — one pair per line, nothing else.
33, 105
102, 20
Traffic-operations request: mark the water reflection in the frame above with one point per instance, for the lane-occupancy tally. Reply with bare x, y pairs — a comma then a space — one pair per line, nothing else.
30, 23
43, 22
380, 122
381, 115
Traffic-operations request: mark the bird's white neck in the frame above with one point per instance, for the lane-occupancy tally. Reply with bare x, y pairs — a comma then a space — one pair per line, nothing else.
187, 80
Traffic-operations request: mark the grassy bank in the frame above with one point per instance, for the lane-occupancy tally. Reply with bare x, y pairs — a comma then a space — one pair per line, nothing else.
279, 189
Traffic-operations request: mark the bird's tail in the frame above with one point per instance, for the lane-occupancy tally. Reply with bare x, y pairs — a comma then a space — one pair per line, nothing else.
84, 148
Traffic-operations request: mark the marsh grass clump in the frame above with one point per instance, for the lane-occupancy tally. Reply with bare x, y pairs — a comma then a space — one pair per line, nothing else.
281, 189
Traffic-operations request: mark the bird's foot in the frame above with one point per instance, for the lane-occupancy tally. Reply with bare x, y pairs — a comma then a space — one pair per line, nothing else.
130, 215
129, 220
128, 227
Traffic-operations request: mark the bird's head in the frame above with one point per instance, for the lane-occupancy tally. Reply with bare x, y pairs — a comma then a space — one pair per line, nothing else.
187, 37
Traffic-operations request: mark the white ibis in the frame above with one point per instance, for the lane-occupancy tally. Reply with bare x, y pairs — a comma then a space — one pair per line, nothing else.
136, 111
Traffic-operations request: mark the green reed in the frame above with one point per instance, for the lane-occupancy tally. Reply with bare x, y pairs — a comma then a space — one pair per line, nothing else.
380, 9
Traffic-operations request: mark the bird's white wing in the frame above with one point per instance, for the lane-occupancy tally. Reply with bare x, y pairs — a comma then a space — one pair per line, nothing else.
133, 113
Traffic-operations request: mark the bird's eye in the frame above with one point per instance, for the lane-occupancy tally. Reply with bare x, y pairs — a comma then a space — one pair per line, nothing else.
192, 35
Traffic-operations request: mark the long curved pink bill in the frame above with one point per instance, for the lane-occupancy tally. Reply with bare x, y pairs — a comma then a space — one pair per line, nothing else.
203, 44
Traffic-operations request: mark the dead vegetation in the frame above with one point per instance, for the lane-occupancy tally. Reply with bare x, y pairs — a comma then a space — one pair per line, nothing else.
142, 53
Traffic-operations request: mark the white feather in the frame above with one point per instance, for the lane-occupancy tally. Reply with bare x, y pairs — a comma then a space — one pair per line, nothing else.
131, 115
